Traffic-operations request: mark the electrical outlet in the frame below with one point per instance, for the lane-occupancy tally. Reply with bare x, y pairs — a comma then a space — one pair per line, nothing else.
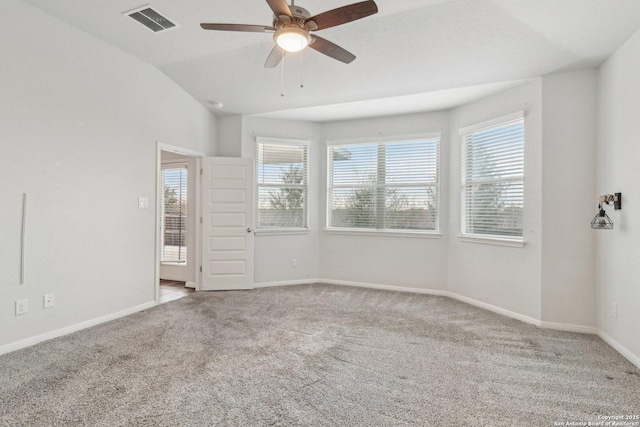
22, 306
614, 309
143, 202
294, 263
48, 300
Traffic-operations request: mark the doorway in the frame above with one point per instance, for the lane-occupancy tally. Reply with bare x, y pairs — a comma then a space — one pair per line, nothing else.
171, 290
217, 250
177, 253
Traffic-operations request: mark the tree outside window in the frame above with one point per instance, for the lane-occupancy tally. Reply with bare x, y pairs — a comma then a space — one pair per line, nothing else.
492, 180
282, 185
384, 186
174, 214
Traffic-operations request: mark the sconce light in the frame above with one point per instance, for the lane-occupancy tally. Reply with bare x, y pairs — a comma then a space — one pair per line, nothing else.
602, 221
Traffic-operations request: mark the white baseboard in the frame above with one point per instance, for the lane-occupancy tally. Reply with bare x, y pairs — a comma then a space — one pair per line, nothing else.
73, 328
191, 285
470, 301
569, 327
287, 283
633, 358
495, 309
437, 292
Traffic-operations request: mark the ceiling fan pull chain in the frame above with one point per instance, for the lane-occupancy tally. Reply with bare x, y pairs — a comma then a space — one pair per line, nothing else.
302, 69
282, 77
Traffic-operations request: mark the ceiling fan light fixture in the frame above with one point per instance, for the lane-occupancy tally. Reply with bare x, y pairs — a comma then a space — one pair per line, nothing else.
292, 39
292, 25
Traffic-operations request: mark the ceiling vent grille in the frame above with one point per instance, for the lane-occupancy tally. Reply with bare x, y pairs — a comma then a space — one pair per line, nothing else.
151, 18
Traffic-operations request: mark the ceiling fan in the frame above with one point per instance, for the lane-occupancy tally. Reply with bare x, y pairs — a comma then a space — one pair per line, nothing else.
292, 26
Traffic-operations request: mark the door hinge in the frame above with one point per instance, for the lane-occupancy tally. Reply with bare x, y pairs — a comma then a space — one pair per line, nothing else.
200, 269
201, 171
200, 220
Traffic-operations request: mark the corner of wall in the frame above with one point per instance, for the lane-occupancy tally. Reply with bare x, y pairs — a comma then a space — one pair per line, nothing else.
569, 115
617, 154
498, 276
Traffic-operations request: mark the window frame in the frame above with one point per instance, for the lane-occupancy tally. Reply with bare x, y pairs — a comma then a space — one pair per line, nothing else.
491, 239
389, 232
281, 230
170, 165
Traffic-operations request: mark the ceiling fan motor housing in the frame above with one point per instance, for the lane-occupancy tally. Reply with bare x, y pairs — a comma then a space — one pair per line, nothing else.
300, 15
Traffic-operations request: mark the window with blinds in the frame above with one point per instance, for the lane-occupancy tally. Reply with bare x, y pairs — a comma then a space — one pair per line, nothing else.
387, 186
174, 213
493, 179
282, 178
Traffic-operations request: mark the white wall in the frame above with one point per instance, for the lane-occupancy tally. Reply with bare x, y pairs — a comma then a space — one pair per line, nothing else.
273, 253
506, 277
417, 262
229, 136
184, 272
79, 121
569, 115
618, 152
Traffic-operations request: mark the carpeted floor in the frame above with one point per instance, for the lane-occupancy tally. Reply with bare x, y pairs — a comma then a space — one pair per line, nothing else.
316, 355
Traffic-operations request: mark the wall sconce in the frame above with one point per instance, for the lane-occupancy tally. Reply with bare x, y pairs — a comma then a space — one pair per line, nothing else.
602, 221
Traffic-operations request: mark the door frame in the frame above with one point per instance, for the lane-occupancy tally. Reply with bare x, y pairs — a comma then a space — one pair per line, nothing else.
160, 147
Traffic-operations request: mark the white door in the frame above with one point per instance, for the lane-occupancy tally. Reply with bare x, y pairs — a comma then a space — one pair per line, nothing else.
227, 223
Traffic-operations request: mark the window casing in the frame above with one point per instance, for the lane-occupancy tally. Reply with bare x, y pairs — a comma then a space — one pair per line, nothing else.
174, 213
282, 177
493, 179
386, 186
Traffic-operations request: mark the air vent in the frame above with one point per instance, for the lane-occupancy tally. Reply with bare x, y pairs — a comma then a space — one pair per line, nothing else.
151, 18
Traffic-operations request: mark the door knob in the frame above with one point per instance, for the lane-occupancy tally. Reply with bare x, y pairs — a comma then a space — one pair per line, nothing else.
249, 230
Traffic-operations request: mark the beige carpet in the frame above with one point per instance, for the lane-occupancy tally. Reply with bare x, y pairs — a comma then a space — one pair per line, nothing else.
316, 355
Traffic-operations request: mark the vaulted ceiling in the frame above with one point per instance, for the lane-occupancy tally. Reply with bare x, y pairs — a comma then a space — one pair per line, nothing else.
414, 55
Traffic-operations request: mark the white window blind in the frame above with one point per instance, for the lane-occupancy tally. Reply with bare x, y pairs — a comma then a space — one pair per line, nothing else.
384, 186
492, 180
282, 177
174, 214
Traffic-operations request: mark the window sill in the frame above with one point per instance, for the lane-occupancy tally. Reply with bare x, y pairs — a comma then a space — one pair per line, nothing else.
282, 231
486, 240
381, 233
174, 263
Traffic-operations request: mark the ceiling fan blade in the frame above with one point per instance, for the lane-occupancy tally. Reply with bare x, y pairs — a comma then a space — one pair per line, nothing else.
332, 50
239, 27
274, 57
344, 14
280, 7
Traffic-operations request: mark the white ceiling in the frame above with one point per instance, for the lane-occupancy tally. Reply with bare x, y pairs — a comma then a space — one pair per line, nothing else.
414, 55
